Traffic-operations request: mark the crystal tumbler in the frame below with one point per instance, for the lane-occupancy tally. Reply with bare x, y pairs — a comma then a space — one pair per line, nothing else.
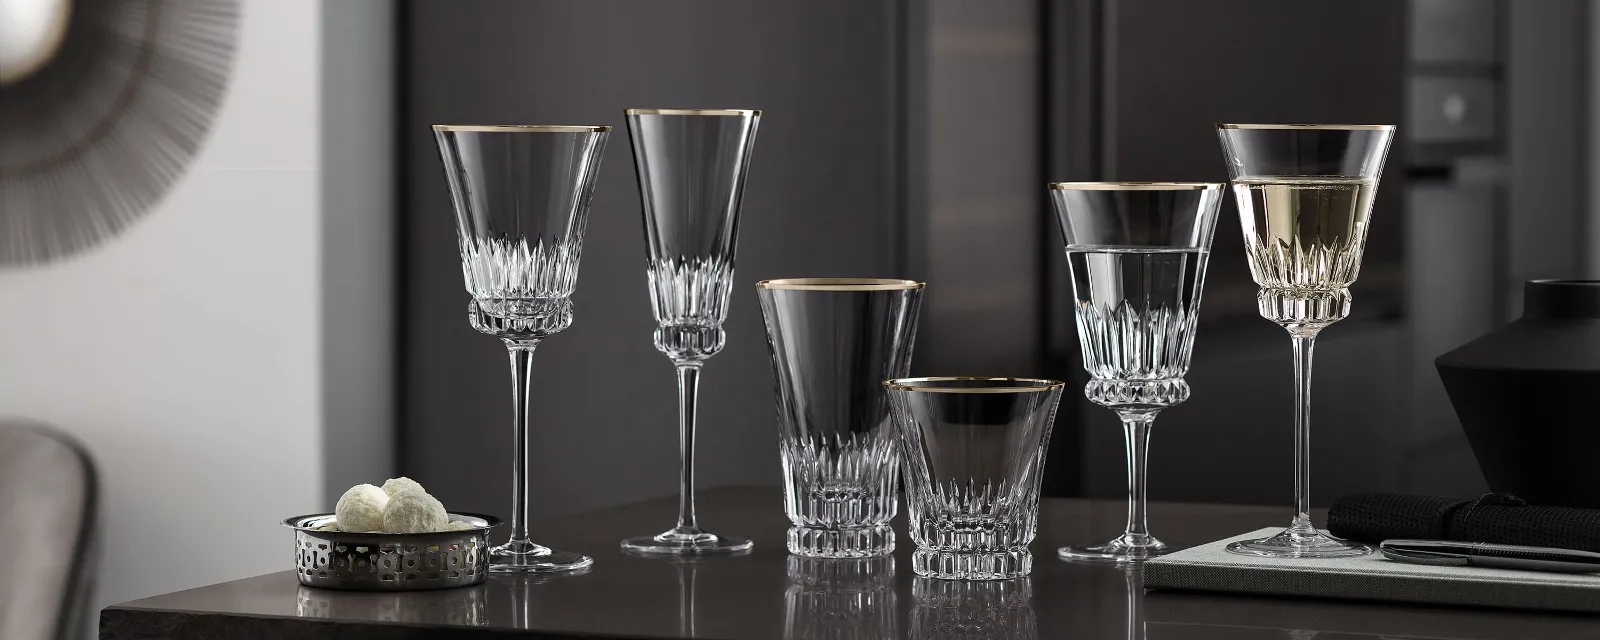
974, 449
833, 342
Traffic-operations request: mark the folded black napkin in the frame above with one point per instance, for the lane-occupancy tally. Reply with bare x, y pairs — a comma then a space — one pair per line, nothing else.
1500, 518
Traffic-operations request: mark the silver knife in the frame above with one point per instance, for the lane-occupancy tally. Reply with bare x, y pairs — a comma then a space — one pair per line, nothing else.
1482, 554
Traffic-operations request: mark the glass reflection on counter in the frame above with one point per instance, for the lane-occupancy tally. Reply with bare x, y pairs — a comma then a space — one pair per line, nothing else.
840, 599
1133, 577
960, 609
463, 606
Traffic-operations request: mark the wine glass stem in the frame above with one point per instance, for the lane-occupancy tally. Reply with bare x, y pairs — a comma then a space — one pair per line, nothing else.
1303, 345
1136, 434
688, 395
521, 385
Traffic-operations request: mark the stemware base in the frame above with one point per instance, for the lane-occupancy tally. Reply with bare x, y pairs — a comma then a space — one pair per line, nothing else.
527, 557
681, 542
1118, 551
1300, 543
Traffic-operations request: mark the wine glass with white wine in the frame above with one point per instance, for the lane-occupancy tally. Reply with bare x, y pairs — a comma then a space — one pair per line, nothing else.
1305, 195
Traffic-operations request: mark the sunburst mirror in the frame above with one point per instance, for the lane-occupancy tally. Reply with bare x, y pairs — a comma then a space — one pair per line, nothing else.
103, 104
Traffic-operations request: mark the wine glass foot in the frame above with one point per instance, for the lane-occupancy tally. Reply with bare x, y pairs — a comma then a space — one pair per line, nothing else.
1118, 551
1298, 543
679, 542
526, 557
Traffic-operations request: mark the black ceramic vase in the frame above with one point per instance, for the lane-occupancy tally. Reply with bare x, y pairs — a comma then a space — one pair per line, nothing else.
1528, 396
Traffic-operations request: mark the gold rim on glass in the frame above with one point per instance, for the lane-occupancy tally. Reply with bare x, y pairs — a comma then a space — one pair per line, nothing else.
523, 128
1136, 186
839, 284
1326, 127
692, 112
1015, 385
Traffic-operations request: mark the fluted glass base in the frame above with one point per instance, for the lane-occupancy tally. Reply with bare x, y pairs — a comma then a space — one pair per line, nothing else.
1125, 548
522, 556
1300, 542
679, 541
957, 565
822, 542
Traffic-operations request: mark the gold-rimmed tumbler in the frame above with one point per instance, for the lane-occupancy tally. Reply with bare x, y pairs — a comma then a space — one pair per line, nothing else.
974, 449
833, 342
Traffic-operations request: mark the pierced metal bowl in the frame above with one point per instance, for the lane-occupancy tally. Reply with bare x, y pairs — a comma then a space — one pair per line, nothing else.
391, 561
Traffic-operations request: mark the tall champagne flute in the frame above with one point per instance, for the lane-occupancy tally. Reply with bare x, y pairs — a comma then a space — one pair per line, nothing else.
692, 165
1305, 195
521, 196
1138, 254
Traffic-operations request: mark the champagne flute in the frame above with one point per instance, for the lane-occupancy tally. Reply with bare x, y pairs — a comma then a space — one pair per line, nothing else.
1305, 195
692, 165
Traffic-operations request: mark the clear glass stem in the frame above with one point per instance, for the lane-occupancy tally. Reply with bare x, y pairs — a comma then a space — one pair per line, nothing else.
688, 395
1136, 435
521, 386
1303, 345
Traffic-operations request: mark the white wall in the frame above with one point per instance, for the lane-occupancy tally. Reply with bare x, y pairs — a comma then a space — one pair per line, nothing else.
188, 353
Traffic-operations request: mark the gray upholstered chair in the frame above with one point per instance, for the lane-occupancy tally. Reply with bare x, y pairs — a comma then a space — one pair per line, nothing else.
48, 507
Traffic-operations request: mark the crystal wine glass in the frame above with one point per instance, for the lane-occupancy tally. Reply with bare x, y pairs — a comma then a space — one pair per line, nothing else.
521, 196
1138, 253
1305, 195
691, 165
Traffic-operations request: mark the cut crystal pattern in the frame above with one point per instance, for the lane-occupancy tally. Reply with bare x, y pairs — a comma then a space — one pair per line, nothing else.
512, 278
840, 493
690, 291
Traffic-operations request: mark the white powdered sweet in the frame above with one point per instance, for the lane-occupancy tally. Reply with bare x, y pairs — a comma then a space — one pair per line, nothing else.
396, 485
361, 508
414, 512
459, 525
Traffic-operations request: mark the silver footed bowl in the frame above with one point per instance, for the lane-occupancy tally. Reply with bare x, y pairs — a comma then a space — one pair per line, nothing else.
390, 561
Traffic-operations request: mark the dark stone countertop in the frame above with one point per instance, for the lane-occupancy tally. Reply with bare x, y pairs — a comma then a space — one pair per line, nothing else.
768, 594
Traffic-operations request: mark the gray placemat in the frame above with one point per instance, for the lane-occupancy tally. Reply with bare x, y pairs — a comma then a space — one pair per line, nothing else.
1210, 567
